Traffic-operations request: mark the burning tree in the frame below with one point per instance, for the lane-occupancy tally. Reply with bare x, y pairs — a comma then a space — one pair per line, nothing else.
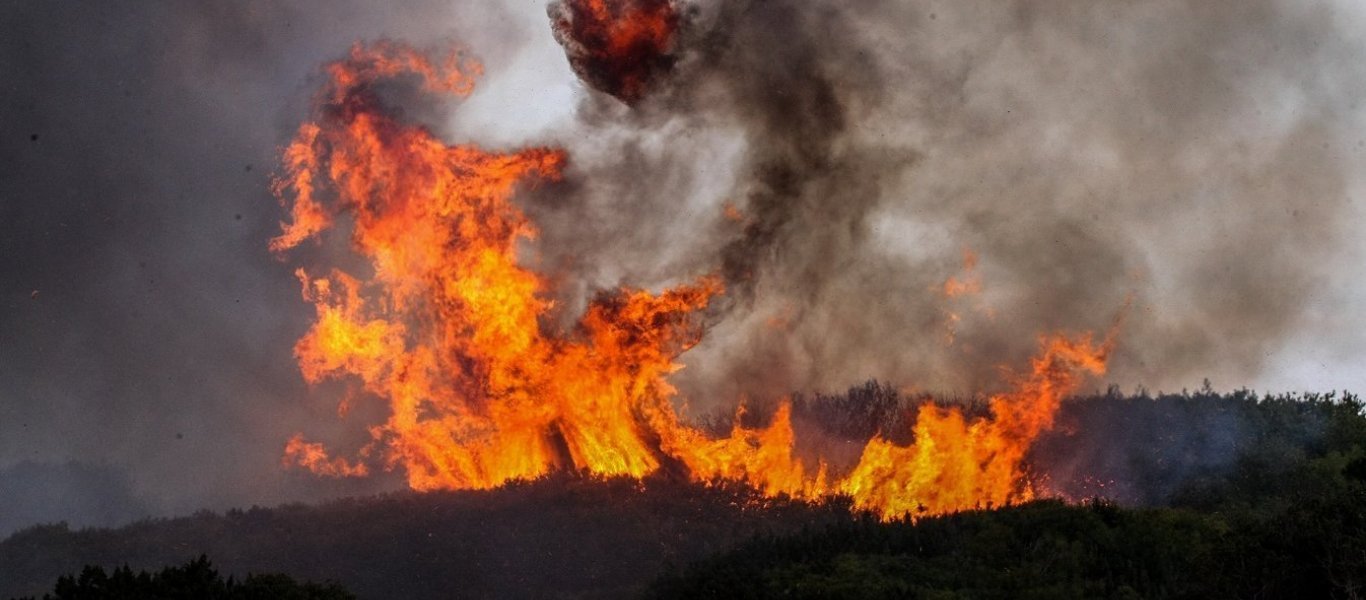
448, 330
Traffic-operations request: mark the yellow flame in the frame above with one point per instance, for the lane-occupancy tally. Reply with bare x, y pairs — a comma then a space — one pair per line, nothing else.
447, 329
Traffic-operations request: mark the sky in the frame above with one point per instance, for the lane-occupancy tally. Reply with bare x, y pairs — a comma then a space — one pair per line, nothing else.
1205, 160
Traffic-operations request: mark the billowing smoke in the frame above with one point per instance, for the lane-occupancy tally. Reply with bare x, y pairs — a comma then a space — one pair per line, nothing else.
621, 48
833, 160
146, 331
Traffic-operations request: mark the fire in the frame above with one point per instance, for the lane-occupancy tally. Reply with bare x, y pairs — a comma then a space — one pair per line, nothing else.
969, 283
957, 463
617, 46
446, 327
957, 290
314, 457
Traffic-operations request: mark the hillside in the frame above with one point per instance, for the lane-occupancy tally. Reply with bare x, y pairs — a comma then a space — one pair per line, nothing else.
1050, 549
560, 537
1228, 496
1217, 494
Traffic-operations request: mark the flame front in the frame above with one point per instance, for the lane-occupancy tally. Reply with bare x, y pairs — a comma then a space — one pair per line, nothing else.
957, 463
447, 328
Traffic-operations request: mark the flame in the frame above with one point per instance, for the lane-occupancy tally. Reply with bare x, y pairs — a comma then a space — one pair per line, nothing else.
448, 329
732, 212
313, 456
617, 46
960, 288
956, 463
763, 457
969, 283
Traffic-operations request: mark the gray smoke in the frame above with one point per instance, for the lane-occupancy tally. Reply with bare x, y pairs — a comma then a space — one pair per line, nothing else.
145, 329
1195, 157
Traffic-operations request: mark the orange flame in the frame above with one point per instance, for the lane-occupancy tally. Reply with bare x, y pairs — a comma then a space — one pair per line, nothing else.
957, 463
314, 457
617, 46
958, 288
448, 330
969, 283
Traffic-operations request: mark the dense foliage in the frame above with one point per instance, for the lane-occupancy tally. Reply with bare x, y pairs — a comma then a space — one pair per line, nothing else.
195, 580
563, 536
1048, 549
1266, 498
1213, 496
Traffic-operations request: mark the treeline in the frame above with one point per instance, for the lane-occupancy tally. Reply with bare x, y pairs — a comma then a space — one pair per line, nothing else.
1050, 549
562, 536
92, 495
1263, 497
1138, 449
1215, 496
1194, 449
195, 580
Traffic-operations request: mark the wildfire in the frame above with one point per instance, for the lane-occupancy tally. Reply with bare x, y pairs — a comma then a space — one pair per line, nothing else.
969, 283
619, 47
446, 327
964, 287
956, 463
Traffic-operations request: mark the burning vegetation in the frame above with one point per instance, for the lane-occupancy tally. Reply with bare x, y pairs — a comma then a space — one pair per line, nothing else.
451, 331
770, 192
620, 47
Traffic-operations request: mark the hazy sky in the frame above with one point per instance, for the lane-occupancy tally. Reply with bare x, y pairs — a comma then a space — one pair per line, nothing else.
146, 327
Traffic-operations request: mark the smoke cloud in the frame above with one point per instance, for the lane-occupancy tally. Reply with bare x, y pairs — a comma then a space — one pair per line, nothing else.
832, 160
1195, 160
146, 330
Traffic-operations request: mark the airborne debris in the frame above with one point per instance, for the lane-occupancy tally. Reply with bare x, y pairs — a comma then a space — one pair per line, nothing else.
619, 47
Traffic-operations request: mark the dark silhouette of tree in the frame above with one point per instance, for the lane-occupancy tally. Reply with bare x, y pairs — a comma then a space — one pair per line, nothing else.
1211, 496
195, 580
1230, 496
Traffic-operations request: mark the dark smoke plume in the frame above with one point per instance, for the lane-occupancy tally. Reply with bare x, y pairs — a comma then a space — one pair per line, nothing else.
1203, 155
834, 159
620, 47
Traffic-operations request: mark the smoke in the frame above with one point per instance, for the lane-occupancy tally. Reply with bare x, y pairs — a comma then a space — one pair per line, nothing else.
1195, 155
82, 495
621, 48
834, 159
1147, 451
145, 325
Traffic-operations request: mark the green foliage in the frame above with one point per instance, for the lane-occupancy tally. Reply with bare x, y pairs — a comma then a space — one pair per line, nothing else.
195, 580
1266, 498
1049, 549
1213, 496
559, 537
1045, 549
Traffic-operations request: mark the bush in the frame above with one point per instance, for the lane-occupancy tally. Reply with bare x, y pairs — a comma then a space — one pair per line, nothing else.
195, 580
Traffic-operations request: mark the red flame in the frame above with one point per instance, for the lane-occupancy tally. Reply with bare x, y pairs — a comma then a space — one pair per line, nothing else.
447, 329
619, 47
